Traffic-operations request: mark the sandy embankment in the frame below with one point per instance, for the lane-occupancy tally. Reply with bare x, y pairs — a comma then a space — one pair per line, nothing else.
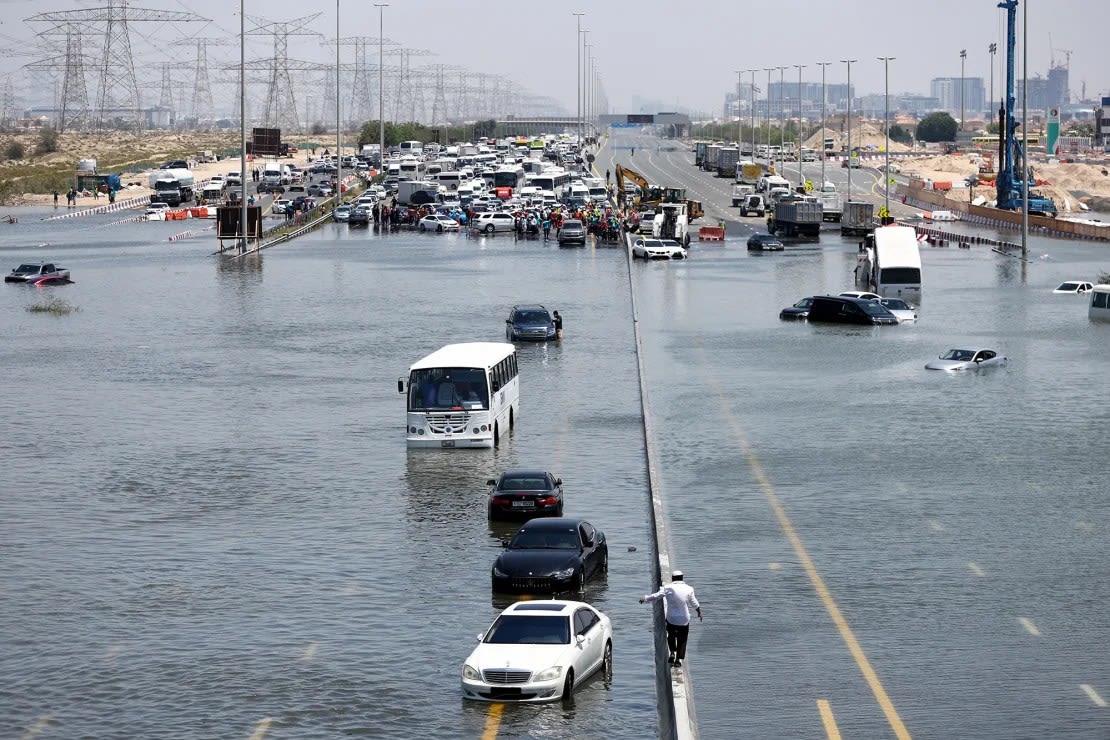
123, 147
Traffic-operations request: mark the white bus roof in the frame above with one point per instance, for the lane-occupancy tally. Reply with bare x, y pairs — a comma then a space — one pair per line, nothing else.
467, 354
896, 246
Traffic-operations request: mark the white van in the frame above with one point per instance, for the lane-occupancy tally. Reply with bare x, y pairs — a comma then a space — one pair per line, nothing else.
1099, 308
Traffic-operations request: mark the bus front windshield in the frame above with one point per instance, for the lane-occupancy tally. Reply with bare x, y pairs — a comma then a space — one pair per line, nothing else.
447, 389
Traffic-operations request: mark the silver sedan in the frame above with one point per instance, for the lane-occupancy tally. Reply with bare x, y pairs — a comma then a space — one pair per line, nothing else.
967, 359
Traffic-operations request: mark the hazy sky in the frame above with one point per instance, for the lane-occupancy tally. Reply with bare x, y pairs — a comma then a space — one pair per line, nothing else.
648, 49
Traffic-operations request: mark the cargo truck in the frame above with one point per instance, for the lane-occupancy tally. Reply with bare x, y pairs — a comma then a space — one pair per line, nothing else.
832, 202
796, 218
699, 152
727, 158
711, 153
172, 186
748, 172
857, 219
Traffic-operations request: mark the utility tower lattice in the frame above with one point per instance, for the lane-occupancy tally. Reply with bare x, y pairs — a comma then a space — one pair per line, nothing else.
364, 95
440, 112
72, 106
410, 95
281, 104
7, 103
201, 105
117, 92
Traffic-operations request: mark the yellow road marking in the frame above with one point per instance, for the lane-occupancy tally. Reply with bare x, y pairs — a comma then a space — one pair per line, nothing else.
1090, 691
261, 729
828, 720
775, 566
310, 651
33, 731
823, 592
974, 568
936, 525
493, 721
113, 651
1029, 627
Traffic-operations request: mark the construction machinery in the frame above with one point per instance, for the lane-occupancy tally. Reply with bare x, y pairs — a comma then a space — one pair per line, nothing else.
652, 195
1013, 167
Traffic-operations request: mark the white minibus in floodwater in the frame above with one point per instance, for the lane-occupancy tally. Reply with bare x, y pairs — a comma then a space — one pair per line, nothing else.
462, 395
1099, 308
890, 263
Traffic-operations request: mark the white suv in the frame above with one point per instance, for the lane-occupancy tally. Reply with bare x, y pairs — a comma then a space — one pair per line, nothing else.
491, 222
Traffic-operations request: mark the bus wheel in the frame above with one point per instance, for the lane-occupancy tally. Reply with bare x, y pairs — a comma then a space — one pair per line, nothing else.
512, 419
496, 435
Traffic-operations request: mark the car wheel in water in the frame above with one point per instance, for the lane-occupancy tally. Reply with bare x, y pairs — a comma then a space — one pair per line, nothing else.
580, 580
439, 228
512, 419
607, 662
423, 227
604, 561
568, 687
489, 228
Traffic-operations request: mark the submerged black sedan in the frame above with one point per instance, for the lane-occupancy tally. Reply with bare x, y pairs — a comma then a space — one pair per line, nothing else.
551, 555
525, 493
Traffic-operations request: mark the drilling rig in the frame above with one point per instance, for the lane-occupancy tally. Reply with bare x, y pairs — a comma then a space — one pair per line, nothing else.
1011, 153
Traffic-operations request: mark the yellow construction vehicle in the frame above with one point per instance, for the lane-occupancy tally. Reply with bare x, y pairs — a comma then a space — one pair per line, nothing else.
651, 195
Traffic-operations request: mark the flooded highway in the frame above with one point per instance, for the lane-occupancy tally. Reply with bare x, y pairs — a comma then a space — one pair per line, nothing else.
212, 526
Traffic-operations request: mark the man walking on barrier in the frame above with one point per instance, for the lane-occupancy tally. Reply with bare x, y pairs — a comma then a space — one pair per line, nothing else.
680, 599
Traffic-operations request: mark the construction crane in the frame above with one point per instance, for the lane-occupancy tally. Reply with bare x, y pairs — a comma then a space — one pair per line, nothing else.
653, 195
1011, 153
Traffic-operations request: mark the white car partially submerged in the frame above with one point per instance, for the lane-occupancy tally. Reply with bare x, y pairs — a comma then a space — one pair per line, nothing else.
538, 651
1074, 287
657, 249
967, 359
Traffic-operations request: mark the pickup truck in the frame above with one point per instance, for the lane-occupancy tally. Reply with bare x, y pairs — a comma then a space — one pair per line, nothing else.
741, 191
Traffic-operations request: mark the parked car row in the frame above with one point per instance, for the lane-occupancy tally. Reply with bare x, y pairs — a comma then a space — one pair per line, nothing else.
851, 307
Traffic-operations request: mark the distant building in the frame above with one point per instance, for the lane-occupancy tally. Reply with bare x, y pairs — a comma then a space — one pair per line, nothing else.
959, 93
1046, 93
918, 105
1102, 124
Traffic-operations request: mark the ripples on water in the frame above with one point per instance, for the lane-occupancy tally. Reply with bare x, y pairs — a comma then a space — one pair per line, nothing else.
210, 514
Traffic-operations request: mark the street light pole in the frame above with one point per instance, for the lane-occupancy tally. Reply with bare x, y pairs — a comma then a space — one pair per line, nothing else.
381, 86
242, 130
584, 46
753, 71
963, 97
578, 78
992, 49
739, 118
769, 70
801, 180
824, 99
1024, 134
782, 120
338, 126
849, 62
886, 124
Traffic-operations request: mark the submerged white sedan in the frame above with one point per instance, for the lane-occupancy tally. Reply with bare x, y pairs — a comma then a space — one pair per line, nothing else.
967, 359
657, 249
539, 651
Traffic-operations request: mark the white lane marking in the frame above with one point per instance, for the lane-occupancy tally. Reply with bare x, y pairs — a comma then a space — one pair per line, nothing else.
34, 730
350, 589
1084, 526
936, 525
1090, 691
310, 651
974, 568
261, 728
113, 651
775, 566
1029, 627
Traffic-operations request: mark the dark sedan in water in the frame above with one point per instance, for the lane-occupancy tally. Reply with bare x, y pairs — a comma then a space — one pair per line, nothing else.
551, 555
525, 493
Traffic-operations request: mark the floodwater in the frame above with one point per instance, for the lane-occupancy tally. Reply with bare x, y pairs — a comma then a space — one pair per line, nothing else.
211, 526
